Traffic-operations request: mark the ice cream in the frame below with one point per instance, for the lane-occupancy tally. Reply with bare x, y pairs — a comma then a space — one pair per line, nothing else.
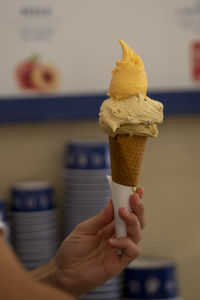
137, 115
129, 116
129, 110
129, 77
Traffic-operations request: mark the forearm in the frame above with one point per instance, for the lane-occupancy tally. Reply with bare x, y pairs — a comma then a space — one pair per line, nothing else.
31, 290
16, 283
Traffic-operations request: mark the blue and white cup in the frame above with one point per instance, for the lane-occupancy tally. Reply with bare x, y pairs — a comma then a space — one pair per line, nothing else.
151, 278
34, 222
32, 196
87, 155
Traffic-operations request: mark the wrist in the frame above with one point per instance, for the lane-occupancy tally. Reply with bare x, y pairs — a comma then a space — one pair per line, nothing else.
45, 273
65, 280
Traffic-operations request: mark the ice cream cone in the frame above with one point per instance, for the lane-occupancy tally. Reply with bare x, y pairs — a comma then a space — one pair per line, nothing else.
128, 117
126, 154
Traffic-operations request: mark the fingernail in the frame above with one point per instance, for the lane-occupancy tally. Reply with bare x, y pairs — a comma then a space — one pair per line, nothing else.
112, 240
126, 212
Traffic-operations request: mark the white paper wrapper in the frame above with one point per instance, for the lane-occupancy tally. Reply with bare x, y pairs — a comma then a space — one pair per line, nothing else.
120, 197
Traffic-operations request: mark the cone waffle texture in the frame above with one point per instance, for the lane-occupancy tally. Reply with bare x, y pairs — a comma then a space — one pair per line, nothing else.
126, 154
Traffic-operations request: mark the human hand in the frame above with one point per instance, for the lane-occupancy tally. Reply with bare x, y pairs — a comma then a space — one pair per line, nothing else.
88, 256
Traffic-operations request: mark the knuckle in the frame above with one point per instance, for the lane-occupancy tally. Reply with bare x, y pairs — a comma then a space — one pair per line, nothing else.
134, 218
137, 252
138, 237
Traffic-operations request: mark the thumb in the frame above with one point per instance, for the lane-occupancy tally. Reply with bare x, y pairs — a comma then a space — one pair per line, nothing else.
98, 222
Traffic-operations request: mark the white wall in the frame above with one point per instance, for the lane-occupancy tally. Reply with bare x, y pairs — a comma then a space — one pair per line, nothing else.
83, 44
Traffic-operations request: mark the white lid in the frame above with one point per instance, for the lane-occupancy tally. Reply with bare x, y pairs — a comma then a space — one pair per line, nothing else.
151, 262
31, 185
87, 141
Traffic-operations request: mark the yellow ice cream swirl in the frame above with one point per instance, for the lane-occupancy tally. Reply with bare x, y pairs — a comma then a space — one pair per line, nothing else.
129, 77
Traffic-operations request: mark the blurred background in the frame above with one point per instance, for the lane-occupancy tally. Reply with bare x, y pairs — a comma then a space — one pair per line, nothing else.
56, 61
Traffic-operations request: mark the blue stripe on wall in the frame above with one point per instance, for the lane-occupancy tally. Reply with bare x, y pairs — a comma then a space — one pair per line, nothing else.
183, 102
87, 106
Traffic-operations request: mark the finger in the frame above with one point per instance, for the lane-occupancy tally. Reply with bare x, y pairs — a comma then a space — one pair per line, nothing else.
108, 231
129, 250
140, 191
138, 208
132, 224
98, 222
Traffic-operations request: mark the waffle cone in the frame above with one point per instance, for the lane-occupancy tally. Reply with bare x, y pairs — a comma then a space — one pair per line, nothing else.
126, 154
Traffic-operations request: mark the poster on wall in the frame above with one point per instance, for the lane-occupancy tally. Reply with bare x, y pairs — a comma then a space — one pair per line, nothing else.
56, 57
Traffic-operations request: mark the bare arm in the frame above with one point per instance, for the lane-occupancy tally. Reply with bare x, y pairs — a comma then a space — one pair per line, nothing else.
17, 284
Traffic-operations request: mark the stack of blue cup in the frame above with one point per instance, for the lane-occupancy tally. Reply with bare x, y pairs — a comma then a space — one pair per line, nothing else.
151, 278
86, 193
86, 187
34, 223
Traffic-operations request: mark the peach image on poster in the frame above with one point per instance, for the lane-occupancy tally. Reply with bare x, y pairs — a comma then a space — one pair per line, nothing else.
32, 74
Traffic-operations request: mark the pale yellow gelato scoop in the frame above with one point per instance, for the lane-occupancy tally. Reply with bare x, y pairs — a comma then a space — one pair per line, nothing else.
129, 110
